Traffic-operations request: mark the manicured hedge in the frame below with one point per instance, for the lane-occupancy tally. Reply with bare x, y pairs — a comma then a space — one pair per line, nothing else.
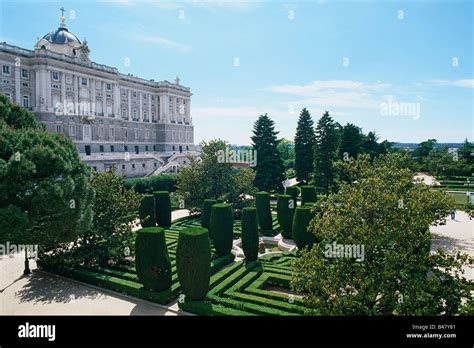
285, 214
301, 221
152, 261
146, 211
250, 233
293, 192
264, 213
206, 212
161, 182
193, 262
222, 227
308, 194
163, 208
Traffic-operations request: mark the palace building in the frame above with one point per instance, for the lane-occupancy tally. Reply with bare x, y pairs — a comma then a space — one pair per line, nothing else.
135, 126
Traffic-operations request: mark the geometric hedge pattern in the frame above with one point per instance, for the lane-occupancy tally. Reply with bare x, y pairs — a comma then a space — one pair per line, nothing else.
238, 289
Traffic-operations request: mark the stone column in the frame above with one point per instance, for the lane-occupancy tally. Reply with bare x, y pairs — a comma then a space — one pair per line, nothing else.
140, 107
47, 82
17, 86
63, 93
104, 97
149, 108
129, 113
116, 100
91, 96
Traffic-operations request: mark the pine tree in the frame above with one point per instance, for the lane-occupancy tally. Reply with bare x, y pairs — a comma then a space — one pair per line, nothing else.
269, 168
325, 149
352, 139
304, 146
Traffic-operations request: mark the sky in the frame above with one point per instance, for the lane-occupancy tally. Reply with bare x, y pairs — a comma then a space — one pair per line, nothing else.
401, 68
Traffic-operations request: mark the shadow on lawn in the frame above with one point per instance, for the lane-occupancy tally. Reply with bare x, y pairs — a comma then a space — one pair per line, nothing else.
44, 288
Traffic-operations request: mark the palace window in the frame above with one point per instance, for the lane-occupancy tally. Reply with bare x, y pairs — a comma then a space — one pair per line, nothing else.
124, 113
109, 86
25, 84
134, 94
136, 134
6, 70
101, 131
144, 96
9, 96
72, 130
101, 148
135, 114
24, 73
112, 132
55, 75
112, 149
83, 81
58, 128
124, 92
26, 101
145, 115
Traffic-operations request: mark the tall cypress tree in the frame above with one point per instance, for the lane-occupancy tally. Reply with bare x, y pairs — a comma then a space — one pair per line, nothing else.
304, 146
269, 169
327, 142
352, 140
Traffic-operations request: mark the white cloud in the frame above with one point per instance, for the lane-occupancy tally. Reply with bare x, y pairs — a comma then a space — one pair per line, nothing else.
465, 83
161, 41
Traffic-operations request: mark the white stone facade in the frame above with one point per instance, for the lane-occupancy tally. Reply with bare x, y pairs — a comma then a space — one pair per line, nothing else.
140, 127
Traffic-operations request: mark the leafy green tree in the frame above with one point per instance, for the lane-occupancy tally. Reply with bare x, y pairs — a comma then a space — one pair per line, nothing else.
286, 148
210, 178
325, 149
110, 237
466, 151
45, 195
305, 140
423, 149
441, 163
270, 172
388, 215
352, 139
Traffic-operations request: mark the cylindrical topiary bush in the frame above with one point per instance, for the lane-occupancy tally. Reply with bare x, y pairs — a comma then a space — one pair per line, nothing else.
152, 261
206, 212
293, 192
301, 221
264, 213
163, 208
222, 227
285, 214
250, 233
146, 211
308, 194
193, 262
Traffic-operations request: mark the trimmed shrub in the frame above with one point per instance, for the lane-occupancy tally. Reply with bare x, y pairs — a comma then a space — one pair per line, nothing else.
250, 233
285, 214
163, 208
161, 182
264, 213
301, 221
293, 192
146, 211
222, 227
206, 212
193, 262
308, 194
152, 261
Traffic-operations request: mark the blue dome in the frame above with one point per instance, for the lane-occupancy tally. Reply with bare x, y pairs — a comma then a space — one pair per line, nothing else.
61, 36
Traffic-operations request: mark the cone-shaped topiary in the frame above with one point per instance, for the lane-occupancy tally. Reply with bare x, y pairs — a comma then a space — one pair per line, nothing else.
193, 262
250, 233
206, 212
308, 194
285, 214
293, 192
301, 221
151, 259
222, 227
162, 208
264, 213
146, 211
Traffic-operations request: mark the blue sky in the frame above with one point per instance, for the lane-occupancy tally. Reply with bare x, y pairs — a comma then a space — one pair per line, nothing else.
243, 58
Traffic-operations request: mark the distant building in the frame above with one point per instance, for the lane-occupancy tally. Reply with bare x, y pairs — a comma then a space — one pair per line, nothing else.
138, 127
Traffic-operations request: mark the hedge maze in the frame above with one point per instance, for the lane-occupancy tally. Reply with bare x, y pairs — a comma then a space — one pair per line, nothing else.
242, 289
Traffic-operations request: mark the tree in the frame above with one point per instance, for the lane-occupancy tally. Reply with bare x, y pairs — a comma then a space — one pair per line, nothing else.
110, 237
352, 140
210, 178
269, 169
423, 149
286, 148
304, 147
374, 256
324, 153
441, 163
45, 195
466, 150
